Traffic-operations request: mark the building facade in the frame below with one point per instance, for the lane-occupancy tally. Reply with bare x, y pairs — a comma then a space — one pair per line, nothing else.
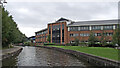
65, 31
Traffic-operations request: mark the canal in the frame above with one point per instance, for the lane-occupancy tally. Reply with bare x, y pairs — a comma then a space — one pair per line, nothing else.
36, 56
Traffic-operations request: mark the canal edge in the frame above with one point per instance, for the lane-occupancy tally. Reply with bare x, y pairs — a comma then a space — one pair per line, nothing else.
92, 59
9, 54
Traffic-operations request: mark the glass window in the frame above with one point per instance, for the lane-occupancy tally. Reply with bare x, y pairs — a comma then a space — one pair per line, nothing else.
108, 34
108, 27
56, 33
97, 34
81, 35
84, 34
71, 35
62, 33
96, 27
74, 35
49, 30
74, 28
82, 28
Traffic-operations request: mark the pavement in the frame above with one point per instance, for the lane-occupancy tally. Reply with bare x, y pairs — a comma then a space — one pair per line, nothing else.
8, 51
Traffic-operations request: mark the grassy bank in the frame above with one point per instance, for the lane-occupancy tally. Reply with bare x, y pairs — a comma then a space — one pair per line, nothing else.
2, 48
110, 53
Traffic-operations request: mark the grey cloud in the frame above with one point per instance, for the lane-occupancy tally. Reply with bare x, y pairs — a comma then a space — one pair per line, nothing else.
41, 13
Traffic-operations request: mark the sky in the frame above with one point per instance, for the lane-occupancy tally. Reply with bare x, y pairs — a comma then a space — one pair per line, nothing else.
34, 15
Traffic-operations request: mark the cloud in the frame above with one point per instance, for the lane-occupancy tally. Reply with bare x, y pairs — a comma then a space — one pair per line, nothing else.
63, 0
34, 16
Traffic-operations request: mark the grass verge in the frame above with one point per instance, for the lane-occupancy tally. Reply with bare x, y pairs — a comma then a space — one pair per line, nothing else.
109, 53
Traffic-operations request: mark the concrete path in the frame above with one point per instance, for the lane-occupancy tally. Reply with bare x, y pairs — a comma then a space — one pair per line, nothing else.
8, 51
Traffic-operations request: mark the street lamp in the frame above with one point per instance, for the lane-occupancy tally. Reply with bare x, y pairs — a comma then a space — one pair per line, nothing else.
2, 1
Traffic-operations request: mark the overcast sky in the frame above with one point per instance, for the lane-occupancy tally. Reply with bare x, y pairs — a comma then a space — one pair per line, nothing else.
34, 16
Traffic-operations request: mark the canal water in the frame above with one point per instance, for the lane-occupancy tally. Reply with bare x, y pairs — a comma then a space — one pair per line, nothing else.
36, 56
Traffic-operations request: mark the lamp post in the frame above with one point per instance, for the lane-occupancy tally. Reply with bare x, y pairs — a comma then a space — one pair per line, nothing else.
2, 2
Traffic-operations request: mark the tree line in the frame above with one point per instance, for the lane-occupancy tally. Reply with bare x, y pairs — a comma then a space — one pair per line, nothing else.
10, 32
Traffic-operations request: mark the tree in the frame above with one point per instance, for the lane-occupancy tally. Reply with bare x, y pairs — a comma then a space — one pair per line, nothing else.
76, 41
49, 38
91, 39
10, 31
116, 37
103, 39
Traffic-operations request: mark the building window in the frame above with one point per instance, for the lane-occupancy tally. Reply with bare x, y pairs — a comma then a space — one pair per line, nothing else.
83, 28
44, 32
97, 34
71, 35
117, 26
74, 28
108, 34
84, 34
108, 27
108, 42
62, 33
74, 35
72, 41
46, 36
56, 34
49, 30
96, 27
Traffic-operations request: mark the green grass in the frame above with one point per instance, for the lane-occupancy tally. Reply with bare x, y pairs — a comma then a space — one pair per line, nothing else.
5, 48
110, 53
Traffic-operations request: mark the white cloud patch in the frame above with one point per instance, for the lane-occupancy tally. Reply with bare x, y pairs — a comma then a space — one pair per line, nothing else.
23, 10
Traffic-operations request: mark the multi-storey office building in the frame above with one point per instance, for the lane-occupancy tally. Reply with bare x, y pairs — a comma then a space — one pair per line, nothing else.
65, 31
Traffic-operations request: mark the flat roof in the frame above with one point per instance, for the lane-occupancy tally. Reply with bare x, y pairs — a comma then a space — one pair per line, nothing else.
96, 22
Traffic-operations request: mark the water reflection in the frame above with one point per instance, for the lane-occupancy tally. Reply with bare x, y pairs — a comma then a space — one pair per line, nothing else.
36, 56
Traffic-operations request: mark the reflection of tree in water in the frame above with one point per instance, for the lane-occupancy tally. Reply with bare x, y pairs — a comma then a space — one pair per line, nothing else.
12, 61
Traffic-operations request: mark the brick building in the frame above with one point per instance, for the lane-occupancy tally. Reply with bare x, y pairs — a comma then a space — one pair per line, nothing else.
65, 31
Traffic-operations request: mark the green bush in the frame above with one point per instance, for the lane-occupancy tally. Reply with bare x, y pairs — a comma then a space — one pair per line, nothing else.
49, 43
32, 44
110, 45
27, 44
60, 44
68, 44
73, 44
83, 44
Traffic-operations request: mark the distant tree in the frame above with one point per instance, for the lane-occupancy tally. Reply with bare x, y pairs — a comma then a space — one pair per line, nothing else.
91, 39
76, 42
103, 39
49, 38
116, 36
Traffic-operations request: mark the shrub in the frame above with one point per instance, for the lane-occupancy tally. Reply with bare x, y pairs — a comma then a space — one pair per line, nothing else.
60, 44
76, 43
83, 44
95, 45
109, 45
68, 44
73, 44
49, 43
32, 44
27, 44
